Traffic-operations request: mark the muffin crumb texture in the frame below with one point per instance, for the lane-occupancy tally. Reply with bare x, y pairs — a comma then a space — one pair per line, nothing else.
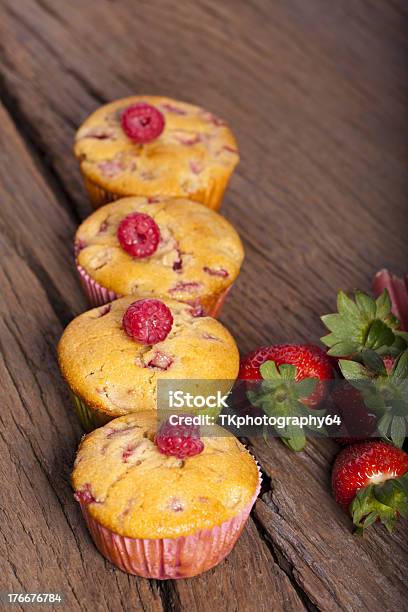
131, 488
113, 373
195, 149
199, 252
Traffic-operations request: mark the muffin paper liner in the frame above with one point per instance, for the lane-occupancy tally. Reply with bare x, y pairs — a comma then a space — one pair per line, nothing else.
210, 197
170, 558
99, 196
97, 295
89, 417
94, 292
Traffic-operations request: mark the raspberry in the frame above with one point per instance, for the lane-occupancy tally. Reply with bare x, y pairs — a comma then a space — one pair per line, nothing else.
160, 361
147, 321
180, 440
213, 272
85, 496
138, 235
142, 122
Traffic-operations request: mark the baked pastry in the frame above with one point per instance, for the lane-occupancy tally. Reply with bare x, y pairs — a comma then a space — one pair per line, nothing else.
172, 249
112, 357
162, 510
151, 145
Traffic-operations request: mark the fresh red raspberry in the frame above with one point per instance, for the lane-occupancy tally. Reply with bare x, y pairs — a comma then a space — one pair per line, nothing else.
142, 122
179, 440
148, 321
138, 235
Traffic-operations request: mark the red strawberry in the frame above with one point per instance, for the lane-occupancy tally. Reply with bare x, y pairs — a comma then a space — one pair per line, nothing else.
370, 480
310, 361
357, 423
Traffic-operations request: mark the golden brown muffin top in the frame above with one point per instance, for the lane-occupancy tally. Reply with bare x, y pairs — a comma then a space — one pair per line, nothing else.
113, 373
194, 148
136, 491
199, 253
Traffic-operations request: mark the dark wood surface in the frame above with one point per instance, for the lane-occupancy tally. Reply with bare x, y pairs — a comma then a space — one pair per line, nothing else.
317, 95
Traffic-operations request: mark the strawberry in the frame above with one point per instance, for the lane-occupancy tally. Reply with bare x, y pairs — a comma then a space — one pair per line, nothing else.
288, 382
357, 422
383, 390
363, 324
398, 291
370, 481
310, 362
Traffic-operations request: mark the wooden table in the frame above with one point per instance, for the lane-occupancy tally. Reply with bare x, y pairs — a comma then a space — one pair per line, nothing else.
316, 93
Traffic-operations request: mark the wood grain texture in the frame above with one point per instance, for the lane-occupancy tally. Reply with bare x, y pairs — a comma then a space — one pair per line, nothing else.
316, 94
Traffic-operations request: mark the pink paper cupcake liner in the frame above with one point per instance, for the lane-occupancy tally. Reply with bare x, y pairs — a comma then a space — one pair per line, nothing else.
94, 292
170, 558
97, 295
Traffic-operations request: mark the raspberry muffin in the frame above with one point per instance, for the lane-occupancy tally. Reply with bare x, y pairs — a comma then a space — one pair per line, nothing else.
164, 504
174, 249
149, 145
113, 356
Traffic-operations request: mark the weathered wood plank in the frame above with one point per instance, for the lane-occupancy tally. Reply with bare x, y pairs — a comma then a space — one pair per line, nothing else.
249, 580
337, 570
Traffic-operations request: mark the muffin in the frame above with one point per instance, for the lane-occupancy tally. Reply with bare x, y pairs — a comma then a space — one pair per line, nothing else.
168, 248
149, 146
112, 357
164, 510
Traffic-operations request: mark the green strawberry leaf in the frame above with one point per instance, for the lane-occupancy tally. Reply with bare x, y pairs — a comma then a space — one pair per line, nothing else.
295, 439
287, 372
342, 349
347, 307
366, 305
379, 334
269, 370
280, 395
306, 387
383, 305
383, 425
402, 334
398, 430
352, 370
382, 502
333, 322
402, 483
361, 324
373, 361
400, 369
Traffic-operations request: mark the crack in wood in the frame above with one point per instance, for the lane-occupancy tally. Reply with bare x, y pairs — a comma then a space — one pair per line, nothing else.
283, 563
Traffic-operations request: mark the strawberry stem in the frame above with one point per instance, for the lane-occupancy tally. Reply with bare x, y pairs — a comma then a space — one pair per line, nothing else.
383, 502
